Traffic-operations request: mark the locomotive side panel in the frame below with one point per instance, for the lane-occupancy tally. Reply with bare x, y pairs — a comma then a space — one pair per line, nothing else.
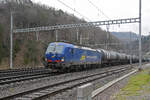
83, 56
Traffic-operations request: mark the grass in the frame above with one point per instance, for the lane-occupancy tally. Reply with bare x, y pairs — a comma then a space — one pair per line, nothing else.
137, 85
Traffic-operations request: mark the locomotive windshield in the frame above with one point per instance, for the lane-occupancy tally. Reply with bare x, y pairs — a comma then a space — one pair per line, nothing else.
55, 49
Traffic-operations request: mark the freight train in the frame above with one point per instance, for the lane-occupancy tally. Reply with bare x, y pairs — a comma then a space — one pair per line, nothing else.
66, 56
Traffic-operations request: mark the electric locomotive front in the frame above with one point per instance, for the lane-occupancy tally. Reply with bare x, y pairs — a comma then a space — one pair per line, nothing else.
54, 55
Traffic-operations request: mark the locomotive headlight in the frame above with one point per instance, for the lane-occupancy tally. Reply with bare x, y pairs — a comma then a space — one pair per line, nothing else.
62, 59
45, 59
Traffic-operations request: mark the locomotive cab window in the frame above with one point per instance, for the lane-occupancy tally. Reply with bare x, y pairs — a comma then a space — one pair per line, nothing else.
59, 49
50, 49
55, 49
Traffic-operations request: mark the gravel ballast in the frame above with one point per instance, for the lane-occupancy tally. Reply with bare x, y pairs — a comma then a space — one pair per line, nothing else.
11, 89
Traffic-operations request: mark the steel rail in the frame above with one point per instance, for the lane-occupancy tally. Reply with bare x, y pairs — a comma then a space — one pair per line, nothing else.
18, 72
28, 77
8, 80
21, 69
81, 80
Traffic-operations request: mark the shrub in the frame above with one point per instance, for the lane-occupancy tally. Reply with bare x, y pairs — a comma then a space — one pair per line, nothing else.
31, 55
17, 44
3, 48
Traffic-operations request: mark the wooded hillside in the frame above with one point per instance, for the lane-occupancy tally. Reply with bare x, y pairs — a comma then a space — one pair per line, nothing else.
28, 51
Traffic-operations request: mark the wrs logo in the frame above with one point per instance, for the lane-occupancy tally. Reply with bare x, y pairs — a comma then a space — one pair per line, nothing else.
82, 57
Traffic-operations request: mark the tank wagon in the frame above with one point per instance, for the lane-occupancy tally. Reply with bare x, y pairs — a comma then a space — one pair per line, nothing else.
61, 56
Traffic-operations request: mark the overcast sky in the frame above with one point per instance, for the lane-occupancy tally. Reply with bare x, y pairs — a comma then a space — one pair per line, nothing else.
114, 9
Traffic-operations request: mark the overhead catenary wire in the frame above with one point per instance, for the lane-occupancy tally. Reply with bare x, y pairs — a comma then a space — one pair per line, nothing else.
107, 26
98, 9
73, 10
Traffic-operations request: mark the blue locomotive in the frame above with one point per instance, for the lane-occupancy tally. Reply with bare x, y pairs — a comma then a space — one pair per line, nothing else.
65, 56
61, 56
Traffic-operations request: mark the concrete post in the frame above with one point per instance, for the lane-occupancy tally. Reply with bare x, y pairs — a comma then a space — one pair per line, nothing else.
11, 40
37, 35
140, 29
85, 92
107, 42
80, 38
56, 35
130, 49
77, 35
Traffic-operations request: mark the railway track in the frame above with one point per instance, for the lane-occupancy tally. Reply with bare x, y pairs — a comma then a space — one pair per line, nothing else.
8, 77
50, 90
19, 75
13, 72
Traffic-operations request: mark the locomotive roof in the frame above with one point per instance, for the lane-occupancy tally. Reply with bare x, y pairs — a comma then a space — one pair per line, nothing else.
85, 48
62, 43
71, 45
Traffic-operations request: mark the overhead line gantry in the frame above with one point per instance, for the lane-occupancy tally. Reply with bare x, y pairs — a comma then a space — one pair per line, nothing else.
88, 24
